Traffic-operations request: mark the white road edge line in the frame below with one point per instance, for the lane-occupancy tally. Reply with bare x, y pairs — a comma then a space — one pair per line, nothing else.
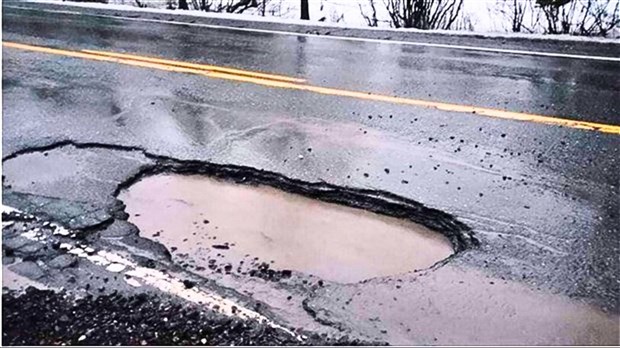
115, 263
335, 37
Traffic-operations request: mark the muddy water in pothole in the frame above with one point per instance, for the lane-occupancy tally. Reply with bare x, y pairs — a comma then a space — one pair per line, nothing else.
214, 222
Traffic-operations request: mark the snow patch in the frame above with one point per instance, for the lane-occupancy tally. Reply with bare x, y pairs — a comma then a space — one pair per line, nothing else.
133, 282
115, 267
8, 210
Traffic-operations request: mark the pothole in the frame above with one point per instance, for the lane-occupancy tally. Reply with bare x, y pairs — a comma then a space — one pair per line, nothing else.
211, 223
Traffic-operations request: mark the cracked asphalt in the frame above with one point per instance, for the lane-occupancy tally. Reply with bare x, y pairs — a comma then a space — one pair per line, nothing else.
531, 209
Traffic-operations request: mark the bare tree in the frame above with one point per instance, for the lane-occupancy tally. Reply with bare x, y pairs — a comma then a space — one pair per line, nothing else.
559, 15
517, 15
205, 5
228, 6
515, 12
534, 18
183, 5
305, 10
599, 17
263, 8
464, 23
423, 14
372, 20
241, 5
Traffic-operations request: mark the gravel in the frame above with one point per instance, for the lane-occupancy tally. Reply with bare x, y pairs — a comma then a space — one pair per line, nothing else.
46, 317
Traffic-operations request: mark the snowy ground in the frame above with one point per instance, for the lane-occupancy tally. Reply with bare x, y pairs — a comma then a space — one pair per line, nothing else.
481, 16
478, 16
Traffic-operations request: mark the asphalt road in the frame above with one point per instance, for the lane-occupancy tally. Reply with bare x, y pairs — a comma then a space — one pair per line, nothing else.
541, 199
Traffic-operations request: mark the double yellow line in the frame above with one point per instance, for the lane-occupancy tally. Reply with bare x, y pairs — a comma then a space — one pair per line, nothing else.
154, 63
280, 81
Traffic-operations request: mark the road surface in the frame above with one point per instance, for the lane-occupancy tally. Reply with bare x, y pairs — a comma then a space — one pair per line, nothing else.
520, 148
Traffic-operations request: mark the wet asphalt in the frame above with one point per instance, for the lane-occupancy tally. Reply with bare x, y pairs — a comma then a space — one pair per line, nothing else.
543, 201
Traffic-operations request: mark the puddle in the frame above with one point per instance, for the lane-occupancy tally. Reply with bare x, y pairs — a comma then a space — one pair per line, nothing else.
209, 222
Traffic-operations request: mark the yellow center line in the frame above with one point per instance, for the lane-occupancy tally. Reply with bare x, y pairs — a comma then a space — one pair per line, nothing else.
205, 67
279, 81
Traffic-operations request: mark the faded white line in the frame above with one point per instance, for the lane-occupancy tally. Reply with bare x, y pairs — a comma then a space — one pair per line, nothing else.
336, 37
158, 279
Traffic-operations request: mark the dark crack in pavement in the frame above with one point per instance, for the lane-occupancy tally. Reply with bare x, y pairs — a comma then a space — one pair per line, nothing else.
531, 210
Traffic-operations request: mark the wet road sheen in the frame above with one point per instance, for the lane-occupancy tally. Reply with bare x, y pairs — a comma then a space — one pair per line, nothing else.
543, 200
574, 89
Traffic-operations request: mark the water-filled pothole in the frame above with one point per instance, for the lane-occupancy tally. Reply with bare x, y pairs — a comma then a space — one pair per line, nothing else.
215, 222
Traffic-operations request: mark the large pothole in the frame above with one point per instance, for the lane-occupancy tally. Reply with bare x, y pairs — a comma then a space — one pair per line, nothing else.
217, 222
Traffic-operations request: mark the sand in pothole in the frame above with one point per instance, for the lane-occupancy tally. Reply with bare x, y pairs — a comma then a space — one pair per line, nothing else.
212, 222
